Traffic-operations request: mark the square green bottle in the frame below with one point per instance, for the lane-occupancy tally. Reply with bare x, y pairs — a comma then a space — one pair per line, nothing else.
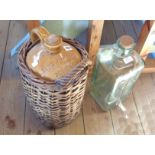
117, 68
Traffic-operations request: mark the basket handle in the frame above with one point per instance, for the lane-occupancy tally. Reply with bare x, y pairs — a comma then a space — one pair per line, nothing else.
50, 41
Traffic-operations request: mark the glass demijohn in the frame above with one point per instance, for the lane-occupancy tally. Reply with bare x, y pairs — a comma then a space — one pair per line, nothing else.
117, 68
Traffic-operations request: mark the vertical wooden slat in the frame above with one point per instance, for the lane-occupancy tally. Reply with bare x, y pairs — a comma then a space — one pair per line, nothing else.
109, 36
137, 26
4, 25
32, 24
12, 96
123, 27
94, 37
149, 62
143, 39
3, 40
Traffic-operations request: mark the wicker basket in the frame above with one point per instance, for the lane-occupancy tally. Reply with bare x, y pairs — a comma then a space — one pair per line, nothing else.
56, 103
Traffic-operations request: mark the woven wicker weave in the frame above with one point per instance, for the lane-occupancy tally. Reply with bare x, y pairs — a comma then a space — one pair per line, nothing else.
56, 103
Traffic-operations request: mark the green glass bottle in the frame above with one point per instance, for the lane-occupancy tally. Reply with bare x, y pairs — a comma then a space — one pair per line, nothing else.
117, 68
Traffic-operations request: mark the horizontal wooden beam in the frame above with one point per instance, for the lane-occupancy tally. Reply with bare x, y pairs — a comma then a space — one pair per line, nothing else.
149, 65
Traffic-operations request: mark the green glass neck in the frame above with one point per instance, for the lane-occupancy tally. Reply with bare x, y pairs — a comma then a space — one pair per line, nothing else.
123, 52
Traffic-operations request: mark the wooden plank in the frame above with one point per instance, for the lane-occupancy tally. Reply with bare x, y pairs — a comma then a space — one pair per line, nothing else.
75, 128
137, 26
119, 31
32, 24
128, 29
144, 96
149, 65
109, 35
121, 125
144, 38
12, 97
4, 27
96, 121
130, 125
123, 27
94, 37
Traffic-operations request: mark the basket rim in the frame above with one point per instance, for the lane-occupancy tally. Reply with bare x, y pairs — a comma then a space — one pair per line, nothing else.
72, 75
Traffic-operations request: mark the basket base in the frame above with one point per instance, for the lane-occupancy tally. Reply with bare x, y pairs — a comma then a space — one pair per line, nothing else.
53, 124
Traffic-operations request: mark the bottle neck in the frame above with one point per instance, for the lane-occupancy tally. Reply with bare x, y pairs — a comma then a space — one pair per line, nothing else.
123, 52
120, 54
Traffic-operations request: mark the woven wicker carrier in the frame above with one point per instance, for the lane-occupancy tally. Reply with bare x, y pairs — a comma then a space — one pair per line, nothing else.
58, 102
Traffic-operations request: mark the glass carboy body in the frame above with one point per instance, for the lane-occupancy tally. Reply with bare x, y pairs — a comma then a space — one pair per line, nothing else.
117, 68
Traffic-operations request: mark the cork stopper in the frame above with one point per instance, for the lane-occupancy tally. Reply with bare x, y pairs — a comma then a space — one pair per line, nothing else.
126, 42
52, 42
52, 39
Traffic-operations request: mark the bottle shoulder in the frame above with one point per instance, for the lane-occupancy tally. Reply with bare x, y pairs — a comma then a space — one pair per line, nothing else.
119, 65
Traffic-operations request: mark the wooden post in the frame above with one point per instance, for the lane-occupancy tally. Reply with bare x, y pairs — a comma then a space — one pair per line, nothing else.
94, 37
144, 43
144, 38
32, 24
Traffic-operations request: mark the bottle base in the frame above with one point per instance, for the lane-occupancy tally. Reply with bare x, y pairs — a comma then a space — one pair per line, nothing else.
101, 104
